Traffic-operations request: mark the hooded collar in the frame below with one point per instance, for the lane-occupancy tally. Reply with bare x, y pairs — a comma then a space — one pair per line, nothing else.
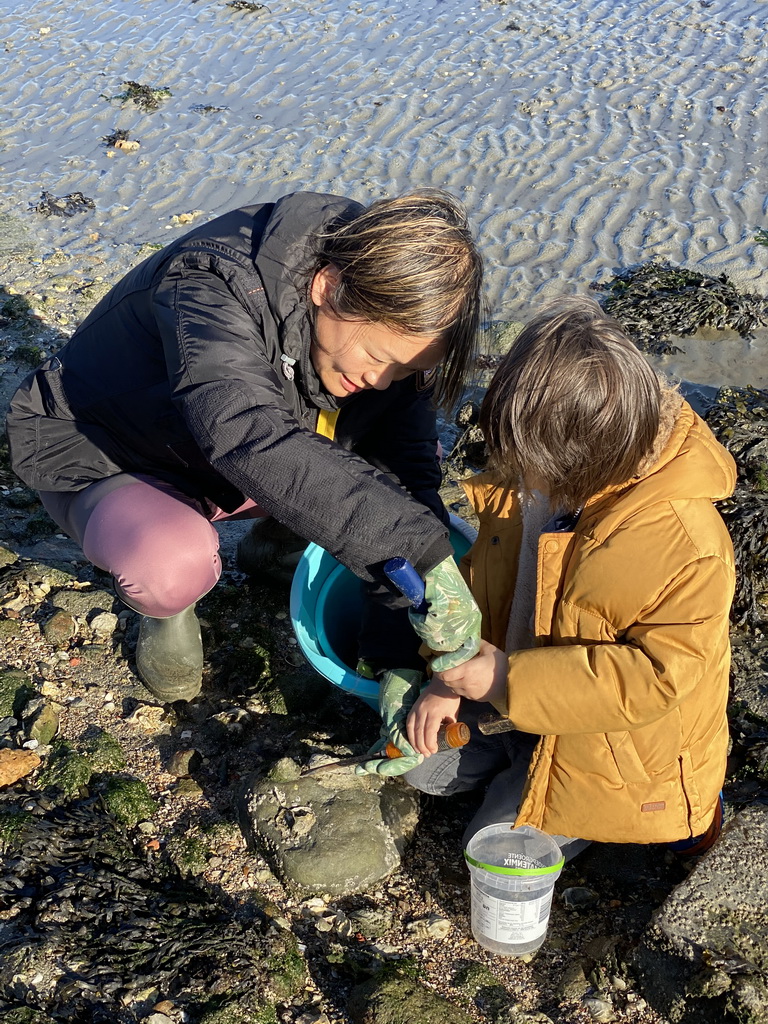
284, 259
689, 463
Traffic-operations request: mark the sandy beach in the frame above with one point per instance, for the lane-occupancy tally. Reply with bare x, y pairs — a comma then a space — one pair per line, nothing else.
582, 137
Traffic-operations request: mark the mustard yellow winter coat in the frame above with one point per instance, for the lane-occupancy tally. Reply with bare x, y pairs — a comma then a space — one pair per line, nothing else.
628, 683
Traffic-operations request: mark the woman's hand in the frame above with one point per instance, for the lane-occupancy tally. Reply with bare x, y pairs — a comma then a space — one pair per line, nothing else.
483, 677
436, 706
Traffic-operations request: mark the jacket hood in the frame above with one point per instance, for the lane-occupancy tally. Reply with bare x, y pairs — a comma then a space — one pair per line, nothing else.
284, 259
691, 464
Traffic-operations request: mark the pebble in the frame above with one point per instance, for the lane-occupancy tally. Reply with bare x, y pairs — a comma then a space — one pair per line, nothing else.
598, 1009
104, 624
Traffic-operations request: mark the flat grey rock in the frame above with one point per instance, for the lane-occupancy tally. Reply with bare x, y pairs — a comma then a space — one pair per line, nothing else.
331, 834
704, 957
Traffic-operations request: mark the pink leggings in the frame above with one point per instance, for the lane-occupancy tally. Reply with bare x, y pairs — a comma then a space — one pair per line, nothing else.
156, 541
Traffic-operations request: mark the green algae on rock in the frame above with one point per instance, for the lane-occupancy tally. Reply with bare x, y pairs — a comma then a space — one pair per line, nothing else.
67, 770
188, 854
396, 999
15, 692
128, 800
103, 751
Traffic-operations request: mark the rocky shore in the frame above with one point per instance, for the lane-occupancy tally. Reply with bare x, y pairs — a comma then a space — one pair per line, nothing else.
168, 864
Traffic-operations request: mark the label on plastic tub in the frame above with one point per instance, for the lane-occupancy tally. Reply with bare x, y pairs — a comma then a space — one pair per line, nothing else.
513, 921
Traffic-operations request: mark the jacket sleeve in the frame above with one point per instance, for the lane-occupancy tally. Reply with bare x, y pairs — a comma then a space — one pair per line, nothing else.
233, 404
621, 685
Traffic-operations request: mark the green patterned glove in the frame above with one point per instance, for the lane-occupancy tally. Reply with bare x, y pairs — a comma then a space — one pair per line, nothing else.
451, 627
398, 691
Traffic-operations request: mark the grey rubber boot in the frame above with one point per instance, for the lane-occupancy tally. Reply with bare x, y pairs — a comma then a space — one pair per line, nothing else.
270, 550
169, 656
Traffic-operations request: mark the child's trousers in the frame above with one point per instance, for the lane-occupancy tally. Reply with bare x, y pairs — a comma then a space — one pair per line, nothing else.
499, 762
156, 541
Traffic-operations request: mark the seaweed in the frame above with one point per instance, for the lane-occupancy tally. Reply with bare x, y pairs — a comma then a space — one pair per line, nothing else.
50, 205
144, 96
120, 139
655, 300
246, 5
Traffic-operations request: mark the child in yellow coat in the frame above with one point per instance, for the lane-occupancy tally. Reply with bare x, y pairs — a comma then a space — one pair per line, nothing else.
605, 575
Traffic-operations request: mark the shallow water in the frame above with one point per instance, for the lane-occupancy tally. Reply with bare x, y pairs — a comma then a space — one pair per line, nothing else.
583, 137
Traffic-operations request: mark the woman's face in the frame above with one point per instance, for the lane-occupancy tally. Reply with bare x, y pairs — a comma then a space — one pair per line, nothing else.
354, 355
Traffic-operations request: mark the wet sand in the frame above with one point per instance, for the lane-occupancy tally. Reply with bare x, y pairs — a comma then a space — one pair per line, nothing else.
582, 137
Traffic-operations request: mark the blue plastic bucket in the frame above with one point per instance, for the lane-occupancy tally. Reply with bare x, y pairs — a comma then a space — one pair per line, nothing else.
326, 606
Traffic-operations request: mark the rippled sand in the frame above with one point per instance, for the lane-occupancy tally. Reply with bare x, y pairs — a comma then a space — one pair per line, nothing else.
583, 137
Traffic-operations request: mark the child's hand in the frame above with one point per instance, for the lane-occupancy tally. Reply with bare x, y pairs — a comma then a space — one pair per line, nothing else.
436, 705
483, 677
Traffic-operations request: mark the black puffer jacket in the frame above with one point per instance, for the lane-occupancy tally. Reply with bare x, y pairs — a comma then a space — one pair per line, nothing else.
180, 372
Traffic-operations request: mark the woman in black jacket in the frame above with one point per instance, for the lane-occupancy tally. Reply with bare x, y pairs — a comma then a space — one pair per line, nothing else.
277, 361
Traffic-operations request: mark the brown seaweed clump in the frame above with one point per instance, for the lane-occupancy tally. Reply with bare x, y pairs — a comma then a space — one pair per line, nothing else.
144, 96
246, 5
655, 300
63, 206
739, 420
91, 922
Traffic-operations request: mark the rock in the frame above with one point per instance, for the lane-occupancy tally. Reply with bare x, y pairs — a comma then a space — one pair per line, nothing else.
103, 751
599, 1009
104, 624
574, 984
189, 789
59, 629
371, 922
7, 557
15, 692
432, 927
189, 854
16, 764
334, 834
84, 602
704, 957
579, 896
44, 725
183, 762
152, 719
67, 770
129, 800
399, 1000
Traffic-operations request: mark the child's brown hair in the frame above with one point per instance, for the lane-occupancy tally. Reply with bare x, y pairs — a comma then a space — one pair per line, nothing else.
574, 406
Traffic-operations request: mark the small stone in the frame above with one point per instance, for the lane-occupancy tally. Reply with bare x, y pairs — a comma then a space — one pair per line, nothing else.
579, 896
183, 762
188, 788
599, 1009
59, 629
44, 725
104, 624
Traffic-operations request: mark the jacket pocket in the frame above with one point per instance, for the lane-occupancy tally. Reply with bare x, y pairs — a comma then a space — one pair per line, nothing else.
54, 400
628, 762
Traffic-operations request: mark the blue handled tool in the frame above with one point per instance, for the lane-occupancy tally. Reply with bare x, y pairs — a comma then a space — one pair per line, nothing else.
408, 582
